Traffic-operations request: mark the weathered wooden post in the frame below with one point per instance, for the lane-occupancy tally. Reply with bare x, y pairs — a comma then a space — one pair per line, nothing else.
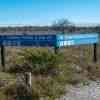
28, 76
3, 57
95, 52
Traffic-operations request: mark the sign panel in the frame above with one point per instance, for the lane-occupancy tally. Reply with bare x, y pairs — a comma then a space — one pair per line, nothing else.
77, 39
59, 40
28, 40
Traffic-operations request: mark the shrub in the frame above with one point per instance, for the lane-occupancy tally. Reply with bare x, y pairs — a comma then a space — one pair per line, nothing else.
38, 61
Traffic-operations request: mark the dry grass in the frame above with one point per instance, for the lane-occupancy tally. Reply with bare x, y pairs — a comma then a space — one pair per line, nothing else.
78, 67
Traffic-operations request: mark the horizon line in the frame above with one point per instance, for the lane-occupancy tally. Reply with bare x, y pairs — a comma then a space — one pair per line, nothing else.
41, 25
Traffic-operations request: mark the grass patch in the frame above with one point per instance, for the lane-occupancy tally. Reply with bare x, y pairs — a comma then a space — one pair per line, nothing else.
7, 76
8, 79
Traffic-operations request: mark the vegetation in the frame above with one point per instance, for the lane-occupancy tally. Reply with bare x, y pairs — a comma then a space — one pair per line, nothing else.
45, 66
49, 29
51, 72
6, 81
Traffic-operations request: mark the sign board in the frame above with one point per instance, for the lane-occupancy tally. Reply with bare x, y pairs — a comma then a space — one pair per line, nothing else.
28, 40
77, 39
59, 40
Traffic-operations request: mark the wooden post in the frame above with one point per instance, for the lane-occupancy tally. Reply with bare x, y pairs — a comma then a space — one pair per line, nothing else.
95, 52
3, 57
28, 83
28, 79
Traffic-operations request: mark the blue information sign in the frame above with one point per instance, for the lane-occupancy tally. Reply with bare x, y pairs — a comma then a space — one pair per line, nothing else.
77, 39
28, 40
59, 40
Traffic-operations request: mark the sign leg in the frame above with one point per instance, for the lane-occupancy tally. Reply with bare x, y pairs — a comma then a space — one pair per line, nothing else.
95, 52
56, 50
3, 57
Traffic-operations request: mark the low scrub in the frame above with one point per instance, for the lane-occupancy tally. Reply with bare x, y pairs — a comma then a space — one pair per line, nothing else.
38, 61
50, 72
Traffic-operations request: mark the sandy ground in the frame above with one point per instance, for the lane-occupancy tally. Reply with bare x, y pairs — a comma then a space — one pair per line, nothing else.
87, 92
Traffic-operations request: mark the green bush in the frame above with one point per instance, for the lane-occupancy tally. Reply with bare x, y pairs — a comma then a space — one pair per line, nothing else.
38, 61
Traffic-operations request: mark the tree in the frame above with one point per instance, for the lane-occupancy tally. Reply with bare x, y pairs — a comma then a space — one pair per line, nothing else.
61, 24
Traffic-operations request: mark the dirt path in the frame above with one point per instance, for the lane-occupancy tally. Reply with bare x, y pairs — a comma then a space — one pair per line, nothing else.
89, 92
